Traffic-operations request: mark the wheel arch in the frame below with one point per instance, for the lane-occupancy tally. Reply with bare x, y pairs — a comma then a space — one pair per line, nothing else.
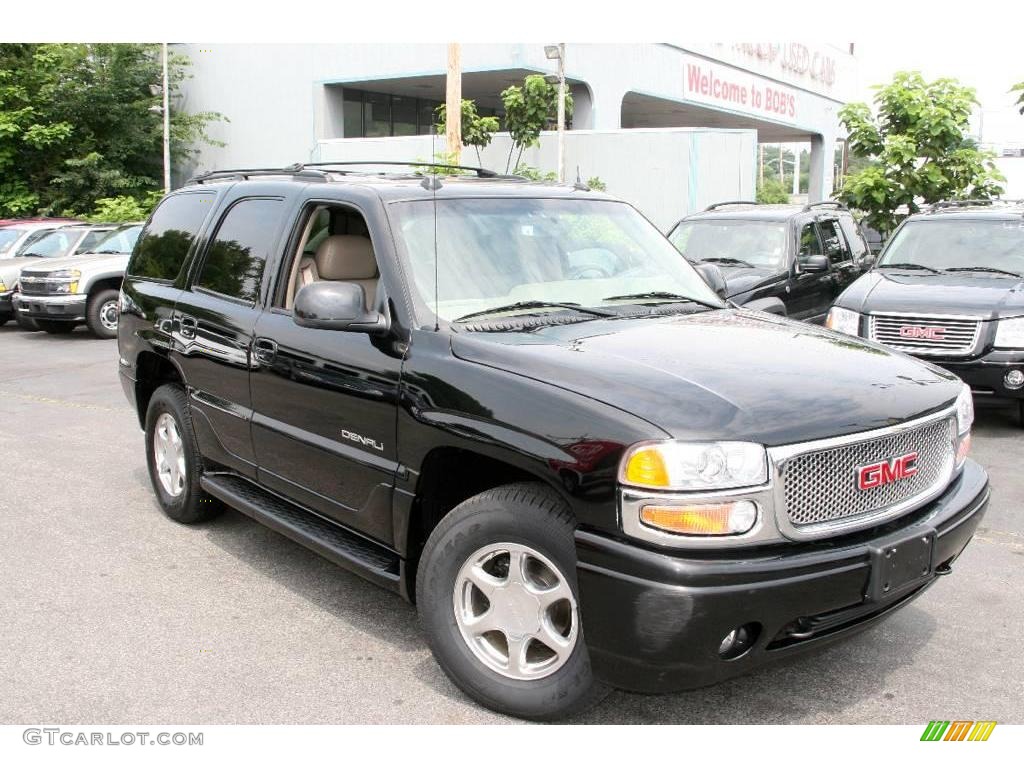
152, 371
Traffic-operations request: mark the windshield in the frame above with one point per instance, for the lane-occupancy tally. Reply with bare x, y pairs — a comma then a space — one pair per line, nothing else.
748, 243
119, 241
952, 244
55, 244
9, 237
502, 251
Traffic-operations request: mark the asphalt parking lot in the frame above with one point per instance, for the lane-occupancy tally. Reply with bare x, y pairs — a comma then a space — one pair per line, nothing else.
111, 613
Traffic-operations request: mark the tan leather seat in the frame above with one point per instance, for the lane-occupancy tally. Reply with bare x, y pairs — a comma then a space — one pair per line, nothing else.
345, 257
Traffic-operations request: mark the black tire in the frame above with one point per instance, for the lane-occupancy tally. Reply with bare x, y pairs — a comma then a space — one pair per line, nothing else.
57, 327
4, 317
25, 323
192, 504
97, 315
529, 514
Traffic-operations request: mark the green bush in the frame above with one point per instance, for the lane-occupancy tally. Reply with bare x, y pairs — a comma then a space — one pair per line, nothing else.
772, 191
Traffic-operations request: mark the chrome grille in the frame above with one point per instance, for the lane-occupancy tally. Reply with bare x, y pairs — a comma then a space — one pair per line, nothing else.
926, 335
820, 487
34, 284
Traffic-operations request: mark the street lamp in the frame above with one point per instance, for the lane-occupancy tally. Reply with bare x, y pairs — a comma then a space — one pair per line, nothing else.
164, 110
558, 52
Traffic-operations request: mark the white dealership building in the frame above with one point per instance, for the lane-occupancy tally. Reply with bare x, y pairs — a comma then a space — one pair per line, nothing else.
670, 127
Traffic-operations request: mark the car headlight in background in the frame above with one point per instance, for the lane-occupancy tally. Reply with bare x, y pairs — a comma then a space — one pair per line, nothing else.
3, 288
1010, 333
964, 421
843, 320
64, 280
677, 466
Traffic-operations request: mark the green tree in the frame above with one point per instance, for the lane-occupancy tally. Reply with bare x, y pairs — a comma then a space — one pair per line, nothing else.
477, 130
1019, 87
76, 125
529, 109
919, 149
772, 191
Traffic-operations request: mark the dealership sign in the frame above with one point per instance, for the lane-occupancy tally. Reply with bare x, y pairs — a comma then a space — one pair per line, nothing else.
721, 86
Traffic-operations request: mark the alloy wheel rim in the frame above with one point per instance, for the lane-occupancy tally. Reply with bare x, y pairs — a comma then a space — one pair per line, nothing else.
169, 455
516, 611
108, 315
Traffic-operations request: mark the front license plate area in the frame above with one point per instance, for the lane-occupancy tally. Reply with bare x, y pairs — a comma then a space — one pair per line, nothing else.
898, 563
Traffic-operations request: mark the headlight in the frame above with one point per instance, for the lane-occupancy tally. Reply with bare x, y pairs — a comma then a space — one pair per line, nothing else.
843, 320
1010, 333
964, 420
64, 280
3, 288
62, 274
678, 466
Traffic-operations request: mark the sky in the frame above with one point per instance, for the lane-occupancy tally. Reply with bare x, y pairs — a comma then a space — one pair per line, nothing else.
990, 68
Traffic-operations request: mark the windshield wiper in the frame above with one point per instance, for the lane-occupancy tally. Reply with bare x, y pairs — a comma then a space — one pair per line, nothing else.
728, 260
664, 295
996, 270
909, 265
537, 305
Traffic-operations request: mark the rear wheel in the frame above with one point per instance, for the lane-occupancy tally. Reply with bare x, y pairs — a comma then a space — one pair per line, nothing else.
59, 327
173, 458
101, 315
496, 591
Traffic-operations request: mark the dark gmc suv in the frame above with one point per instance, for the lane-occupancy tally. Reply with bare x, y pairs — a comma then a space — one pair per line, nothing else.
515, 405
789, 260
949, 288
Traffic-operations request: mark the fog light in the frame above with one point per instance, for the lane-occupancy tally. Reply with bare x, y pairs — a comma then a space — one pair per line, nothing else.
702, 519
739, 641
1014, 379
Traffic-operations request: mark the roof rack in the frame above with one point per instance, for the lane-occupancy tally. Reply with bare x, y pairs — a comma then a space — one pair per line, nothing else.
946, 204
320, 171
716, 206
826, 203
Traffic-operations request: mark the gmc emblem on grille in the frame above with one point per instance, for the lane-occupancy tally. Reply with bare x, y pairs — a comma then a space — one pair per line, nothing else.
886, 472
930, 333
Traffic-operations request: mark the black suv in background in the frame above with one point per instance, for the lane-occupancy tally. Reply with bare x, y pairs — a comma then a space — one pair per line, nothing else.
517, 406
949, 288
786, 259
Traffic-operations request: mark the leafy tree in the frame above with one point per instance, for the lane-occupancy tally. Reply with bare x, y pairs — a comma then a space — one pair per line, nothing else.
772, 191
1020, 96
76, 124
477, 130
919, 147
529, 109
124, 207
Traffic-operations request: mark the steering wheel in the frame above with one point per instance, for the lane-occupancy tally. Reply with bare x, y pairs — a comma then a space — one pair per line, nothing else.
588, 272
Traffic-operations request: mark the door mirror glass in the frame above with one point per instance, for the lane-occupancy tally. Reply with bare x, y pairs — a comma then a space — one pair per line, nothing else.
815, 263
333, 305
713, 277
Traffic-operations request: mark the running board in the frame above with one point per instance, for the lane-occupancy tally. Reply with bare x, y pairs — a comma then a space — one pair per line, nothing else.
368, 559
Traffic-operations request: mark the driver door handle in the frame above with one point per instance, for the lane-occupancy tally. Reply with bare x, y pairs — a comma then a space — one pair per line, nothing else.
264, 350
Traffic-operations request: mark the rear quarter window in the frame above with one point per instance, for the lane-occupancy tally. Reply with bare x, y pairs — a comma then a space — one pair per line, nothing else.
165, 242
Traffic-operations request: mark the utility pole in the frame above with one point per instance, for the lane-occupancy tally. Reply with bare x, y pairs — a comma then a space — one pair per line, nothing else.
558, 52
796, 169
782, 168
167, 126
760, 165
453, 103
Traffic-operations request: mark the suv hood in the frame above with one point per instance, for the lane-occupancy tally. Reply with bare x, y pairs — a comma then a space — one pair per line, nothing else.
961, 293
94, 262
742, 279
723, 374
11, 268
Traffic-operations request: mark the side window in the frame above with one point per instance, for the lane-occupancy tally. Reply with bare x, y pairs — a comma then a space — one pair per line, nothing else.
238, 254
92, 239
165, 242
810, 245
854, 238
834, 241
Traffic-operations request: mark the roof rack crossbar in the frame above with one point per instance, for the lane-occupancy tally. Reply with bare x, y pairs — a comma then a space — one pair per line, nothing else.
715, 206
244, 173
826, 203
483, 173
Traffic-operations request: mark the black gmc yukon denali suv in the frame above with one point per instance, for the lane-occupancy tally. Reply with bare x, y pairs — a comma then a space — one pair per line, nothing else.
519, 407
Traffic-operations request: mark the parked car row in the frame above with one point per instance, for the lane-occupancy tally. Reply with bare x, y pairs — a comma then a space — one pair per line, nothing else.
947, 288
56, 274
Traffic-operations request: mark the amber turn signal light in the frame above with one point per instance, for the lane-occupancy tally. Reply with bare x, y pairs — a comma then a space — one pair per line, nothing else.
701, 519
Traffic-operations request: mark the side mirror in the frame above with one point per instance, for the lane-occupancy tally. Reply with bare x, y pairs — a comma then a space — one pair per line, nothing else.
336, 306
816, 263
713, 277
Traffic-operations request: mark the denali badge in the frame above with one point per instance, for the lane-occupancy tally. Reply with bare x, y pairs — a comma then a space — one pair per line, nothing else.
363, 440
885, 472
930, 333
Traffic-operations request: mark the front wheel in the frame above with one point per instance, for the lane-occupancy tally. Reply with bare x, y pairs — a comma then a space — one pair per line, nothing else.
497, 597
101, 315
58, 327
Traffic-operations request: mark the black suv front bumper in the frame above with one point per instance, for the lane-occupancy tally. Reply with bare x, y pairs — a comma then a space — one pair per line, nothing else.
984, 375
654, 621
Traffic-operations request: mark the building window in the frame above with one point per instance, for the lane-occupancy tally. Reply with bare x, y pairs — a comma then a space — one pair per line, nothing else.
369, 114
